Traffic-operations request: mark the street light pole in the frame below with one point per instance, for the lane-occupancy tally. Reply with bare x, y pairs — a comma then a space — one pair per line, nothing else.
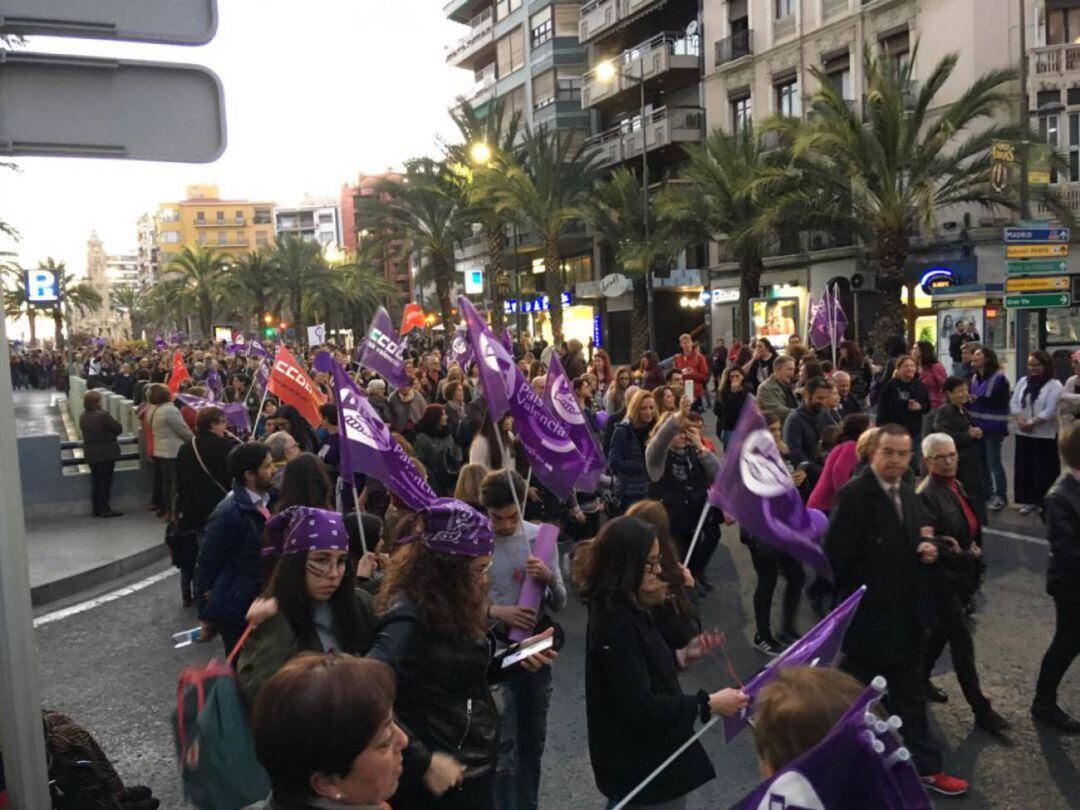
1025, 118
645, 211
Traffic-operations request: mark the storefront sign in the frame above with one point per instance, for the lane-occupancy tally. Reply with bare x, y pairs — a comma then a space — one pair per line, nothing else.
597, 332
42, 286
1036, 283
937, 277
614, 285
542, 304
1037, 301
1036, 251
474, 281
725, 295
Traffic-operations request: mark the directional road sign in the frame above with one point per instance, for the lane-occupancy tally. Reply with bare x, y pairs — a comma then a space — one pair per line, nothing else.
1037, 301
1037, 267
170, 22
1036, 251
1037, 283
1035, 236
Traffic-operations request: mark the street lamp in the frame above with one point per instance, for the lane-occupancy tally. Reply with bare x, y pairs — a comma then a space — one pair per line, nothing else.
480, 154
606, 72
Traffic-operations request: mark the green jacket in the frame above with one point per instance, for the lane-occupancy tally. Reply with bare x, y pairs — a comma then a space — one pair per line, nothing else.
273, 643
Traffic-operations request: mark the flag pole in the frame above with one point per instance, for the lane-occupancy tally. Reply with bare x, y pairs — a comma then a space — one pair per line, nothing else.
833, 303
258, 413
254, 379
660, 768
697, 533
359, 517
509, 477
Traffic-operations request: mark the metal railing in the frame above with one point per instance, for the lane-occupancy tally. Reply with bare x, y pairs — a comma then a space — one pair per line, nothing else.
734, 47
479, 27
1055, 60
75, 461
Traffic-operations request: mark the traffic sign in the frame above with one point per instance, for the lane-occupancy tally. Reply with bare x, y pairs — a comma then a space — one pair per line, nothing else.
1037, 283
1037, 301
1036, 236
1037, 267
169, 22
1036, 251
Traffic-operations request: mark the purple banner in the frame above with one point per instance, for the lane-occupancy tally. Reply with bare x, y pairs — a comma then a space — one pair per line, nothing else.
323, 363
828, 321
159, 341
755, 487
460, 350
819, 647
213, 382
560, 399
367, 446
384, 352
860, 763
552, 454
236, 413
256, 349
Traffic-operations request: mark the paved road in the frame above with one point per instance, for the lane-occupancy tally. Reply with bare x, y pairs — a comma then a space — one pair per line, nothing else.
112, 668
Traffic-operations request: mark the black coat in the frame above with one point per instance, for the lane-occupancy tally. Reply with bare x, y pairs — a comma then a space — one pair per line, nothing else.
957, 422
99, 432
868, 545
1061, 509
893, 405
961, 571
637, 713
198, 492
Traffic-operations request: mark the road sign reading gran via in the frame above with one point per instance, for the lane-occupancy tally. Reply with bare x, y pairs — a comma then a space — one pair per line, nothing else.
1035, 236
1037, 301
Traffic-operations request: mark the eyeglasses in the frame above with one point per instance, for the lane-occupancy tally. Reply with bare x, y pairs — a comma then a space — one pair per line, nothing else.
944, 457
479, 573
328, 569
652, 566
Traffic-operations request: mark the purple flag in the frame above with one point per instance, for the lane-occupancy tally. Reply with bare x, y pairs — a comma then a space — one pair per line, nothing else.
755, 487
560, 399
324, 362
213, 382
460, 350
819, 647
235, 413
256, 349
383, 352
367, 446
860, 763
552, 454
262, 376
507, 342
176, 337
827, 322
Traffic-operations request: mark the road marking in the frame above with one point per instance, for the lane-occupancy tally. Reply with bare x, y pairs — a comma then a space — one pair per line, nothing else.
90, 604
1038, 541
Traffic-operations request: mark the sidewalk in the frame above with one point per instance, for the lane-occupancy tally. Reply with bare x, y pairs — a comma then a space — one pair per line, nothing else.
71, 555
36, 413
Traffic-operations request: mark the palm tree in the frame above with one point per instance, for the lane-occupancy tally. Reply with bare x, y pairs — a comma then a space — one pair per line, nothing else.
300, 271
165, 303
252, 284
75, 297
719, 196
487, 133
15, 303
130, 300
358, 288
430, 206
892, 174
546, 194
202, 272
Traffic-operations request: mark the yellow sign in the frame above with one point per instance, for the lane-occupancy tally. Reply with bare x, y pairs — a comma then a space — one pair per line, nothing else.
1003, 152
1036, 283
1035, 251
1038, 178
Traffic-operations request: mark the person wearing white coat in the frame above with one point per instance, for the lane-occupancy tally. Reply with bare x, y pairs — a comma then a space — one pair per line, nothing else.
1034, 406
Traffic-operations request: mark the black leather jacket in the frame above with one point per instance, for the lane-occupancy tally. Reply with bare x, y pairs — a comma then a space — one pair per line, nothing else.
1062, 513
962, 570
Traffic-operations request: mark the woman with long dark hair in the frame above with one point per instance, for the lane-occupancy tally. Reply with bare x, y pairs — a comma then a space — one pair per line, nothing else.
437, 450
905, 401
305, 483
615, 395
1034, 406
850, 359
299, 429
730, 401
314, 590
652, 373
989, 409
932, 373
487, 450
636, 710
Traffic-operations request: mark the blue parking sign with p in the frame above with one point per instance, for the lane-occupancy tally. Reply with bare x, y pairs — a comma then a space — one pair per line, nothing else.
41, 286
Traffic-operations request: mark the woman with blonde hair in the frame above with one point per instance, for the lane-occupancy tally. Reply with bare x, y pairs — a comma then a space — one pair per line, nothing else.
468, 484
627, 454
615, 395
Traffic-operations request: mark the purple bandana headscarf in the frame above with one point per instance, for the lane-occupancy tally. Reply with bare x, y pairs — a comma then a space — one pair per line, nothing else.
300, 529
454, 527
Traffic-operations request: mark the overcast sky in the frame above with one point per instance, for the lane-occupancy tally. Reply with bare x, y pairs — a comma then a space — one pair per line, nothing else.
315, 92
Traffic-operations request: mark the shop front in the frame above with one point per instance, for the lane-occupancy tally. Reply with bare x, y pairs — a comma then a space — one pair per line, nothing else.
579, 318
777, 314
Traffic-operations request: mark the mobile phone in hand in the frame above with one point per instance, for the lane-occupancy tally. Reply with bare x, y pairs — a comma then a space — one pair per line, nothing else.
513, 656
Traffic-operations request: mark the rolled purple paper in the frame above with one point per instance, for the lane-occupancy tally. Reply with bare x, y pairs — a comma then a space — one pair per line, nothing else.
532, 592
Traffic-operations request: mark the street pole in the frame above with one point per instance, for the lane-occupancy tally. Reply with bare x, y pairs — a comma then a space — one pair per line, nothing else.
517, 285
645, 210
1025, 118
21, 734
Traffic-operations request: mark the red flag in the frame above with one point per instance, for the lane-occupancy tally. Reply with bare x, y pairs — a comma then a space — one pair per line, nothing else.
292, 386
413, 318
179, 373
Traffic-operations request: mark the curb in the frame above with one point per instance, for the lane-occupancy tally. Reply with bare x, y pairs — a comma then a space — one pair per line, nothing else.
49, 592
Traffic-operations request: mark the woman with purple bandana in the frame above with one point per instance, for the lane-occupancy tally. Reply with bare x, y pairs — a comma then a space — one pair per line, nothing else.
435, 634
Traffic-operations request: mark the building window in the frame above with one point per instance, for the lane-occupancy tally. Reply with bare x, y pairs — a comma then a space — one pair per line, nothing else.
543, 27
567, 18
200, 217
1067, 143
741, 117
788, 101
784, 8
262, 238
170, 237
221, 217
239, 217
262, 216
578, 270
838, 73
504, 8
514, 101
510, 53
169, 215
326, 219
1062, 26
898, 48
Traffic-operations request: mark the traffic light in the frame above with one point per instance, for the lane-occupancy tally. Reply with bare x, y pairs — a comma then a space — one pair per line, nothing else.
268, 319
269, 332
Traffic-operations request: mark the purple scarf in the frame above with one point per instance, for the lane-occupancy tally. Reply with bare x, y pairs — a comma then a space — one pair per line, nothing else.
1031, 391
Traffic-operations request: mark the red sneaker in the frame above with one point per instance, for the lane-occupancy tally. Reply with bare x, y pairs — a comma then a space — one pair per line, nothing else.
945, 785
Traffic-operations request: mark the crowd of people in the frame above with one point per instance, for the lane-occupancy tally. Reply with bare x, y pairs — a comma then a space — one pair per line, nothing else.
381, 666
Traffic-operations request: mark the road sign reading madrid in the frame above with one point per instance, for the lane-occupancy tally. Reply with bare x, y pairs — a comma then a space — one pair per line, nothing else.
1037, 301
1037, 267
1036, 251
1036, 236
1037, 284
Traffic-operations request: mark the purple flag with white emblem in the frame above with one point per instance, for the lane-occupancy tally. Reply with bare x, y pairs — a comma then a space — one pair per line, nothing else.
819, 647
159, 341
213, 382
323, 363
256, 349
560, 399
755, 487
827, 322
384, 352
236, 413
552, 453
859, 764
367, 446
460, 350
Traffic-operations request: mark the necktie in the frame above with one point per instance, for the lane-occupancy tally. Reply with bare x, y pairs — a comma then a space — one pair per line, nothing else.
894, 495
263, 511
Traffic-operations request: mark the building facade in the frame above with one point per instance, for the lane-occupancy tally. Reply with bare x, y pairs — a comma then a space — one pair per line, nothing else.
357, 226
102, 277
314, 220
147, 250
203, 219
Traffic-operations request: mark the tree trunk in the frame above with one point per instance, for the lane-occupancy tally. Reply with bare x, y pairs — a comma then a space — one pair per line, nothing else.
297, 311
892, 255
496, 239
443, 281
750, 270
58, 322
553, 281
639, 321
32, 320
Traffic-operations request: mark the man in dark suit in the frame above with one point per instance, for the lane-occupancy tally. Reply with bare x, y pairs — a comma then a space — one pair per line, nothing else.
880, 535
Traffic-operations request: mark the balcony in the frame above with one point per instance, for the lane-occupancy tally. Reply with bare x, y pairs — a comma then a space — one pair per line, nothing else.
783, 28
473, 43
599, 17
659, 59
221, 223
831, 9
463, 10
485, 84
666, 126
734, 47
1069, 194
1054, 61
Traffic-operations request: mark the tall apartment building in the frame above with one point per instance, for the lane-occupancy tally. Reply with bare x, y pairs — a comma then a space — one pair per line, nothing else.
122, 269
146, 249
356, 227
315, 220
758, 64
644, 91
204, 219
